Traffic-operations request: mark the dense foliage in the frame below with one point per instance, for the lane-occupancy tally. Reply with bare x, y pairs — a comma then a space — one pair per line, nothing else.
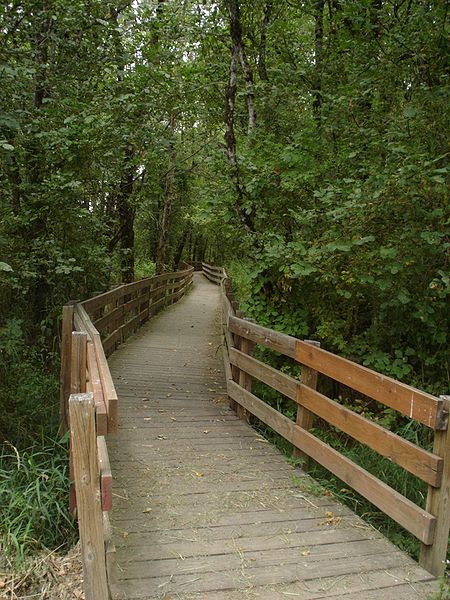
301, 144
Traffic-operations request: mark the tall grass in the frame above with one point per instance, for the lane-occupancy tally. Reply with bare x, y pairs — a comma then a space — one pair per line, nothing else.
34, 487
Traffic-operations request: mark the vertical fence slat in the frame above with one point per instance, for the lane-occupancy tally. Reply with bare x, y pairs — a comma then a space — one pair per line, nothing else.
90, 516
305, 418
78, 364
245, 380
66, 351
433, 557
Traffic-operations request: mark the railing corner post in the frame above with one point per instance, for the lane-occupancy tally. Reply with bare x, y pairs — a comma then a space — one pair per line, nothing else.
87, 485
433, 556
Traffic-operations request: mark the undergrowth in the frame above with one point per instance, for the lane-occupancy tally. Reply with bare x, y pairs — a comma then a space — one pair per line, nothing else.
34, 487
34, 479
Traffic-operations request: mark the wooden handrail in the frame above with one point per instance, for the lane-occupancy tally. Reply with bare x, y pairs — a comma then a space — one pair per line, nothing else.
92, 330
431, 525
213, 273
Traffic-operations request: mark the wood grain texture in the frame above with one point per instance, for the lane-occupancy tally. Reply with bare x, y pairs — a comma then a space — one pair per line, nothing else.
94, 385
280, 342
89, 511
203, 506
106, 481
411, 402
425, 465
433, 556
65, 371
109, 390
415, 520
305, 415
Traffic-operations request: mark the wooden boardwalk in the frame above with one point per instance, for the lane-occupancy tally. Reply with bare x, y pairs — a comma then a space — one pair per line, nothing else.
204, 508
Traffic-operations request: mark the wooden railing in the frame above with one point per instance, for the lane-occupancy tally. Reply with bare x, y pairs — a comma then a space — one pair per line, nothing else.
214, 274
91, 330
430, 525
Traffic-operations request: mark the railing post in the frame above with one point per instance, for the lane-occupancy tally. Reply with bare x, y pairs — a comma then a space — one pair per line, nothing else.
305, 418
66, 352
235, 371
245, 380
90, 517
433, 557
78, 363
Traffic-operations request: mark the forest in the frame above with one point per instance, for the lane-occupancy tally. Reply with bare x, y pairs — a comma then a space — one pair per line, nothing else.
302, 145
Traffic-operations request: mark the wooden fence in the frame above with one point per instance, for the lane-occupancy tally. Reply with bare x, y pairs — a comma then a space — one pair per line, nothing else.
430, 525
92, 330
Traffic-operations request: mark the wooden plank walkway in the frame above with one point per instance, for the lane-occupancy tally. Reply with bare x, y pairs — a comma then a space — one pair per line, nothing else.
204, 508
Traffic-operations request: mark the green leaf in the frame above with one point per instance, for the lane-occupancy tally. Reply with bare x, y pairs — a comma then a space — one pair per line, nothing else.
5, 267
388, 252
409, 112
340, 246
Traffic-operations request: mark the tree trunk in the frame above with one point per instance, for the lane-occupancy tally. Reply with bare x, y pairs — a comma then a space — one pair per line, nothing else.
318, 34
263, 42
238, 47
167, 207
230, 100
126, 214
180, 247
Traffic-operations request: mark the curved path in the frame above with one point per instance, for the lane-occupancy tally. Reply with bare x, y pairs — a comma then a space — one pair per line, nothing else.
204, 508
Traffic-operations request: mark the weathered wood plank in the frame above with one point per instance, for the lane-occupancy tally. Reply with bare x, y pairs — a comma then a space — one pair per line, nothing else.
411, 402
425, 465
90, 518
95, 386
279, 381
217, 496
415, 520
433, 556
106, 481
305, 416
109, 390
280, 342
64, 378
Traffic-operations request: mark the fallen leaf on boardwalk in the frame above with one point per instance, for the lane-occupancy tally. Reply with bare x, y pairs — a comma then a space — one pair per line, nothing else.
199, 474
209, 343
147, 418
161, 410
172, 418
168, 395
145, 399
305, 552
147, 510
206, 431
211, 390
125, 533
331, 519
162, 437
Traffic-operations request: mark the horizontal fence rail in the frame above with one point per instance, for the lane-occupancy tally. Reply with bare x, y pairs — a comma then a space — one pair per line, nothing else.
214, 274
430, 525
91, 331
